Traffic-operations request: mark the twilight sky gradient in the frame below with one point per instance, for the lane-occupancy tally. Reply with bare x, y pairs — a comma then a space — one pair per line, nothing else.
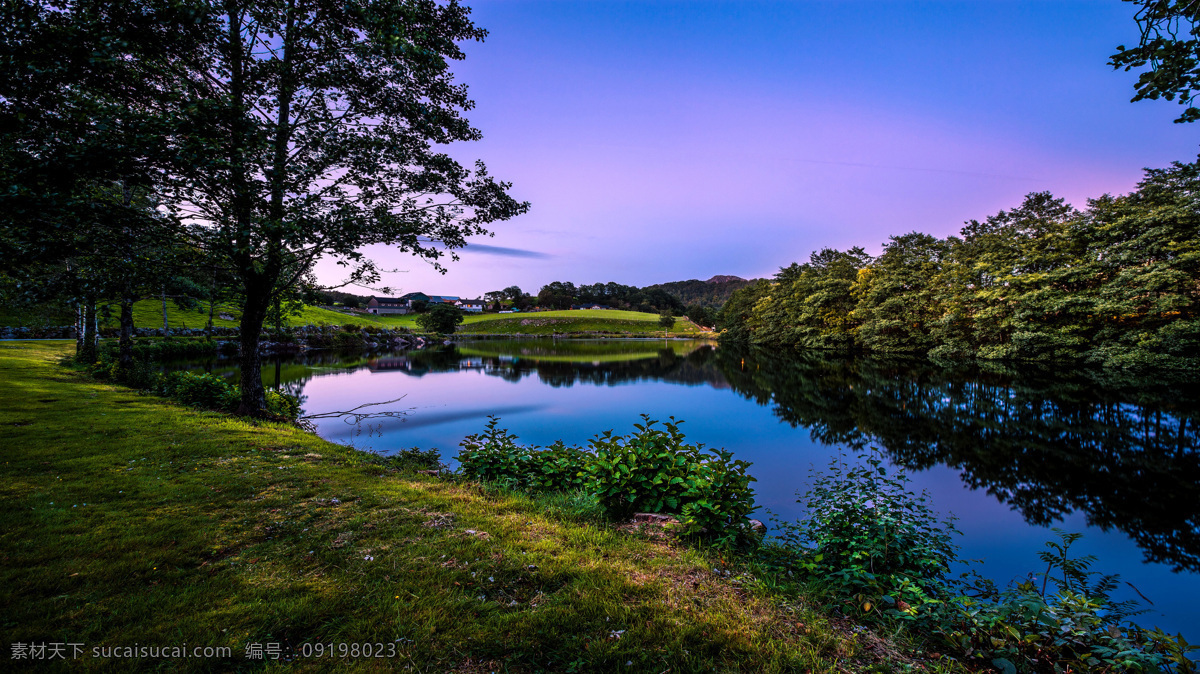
666, 140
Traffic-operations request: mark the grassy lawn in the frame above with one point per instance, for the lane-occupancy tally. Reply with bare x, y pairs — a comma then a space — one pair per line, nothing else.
129, 519
547, 322
634, 323
148, 314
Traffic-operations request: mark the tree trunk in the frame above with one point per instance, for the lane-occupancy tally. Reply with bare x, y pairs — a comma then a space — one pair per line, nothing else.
254, 395
79, 328
212, 296
258, 296
88, 354
125, 360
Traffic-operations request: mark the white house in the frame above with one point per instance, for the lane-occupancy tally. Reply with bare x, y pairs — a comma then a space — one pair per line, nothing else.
472, 306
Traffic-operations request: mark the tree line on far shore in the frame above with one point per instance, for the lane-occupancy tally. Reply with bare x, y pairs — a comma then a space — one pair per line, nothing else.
1114, 284
699, 301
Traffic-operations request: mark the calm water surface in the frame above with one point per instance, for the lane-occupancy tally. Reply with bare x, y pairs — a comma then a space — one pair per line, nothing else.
1010, 452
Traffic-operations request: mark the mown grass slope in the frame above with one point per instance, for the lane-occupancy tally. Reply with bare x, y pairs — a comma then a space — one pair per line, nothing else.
129, 519
148, 314
632, 323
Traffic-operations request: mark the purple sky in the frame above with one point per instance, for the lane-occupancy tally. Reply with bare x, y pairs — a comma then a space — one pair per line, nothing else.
668, 140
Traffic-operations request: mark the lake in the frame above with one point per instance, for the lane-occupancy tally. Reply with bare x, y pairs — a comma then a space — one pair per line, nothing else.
1010, 451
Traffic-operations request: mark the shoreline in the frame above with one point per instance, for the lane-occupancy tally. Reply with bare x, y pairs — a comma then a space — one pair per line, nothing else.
186, 525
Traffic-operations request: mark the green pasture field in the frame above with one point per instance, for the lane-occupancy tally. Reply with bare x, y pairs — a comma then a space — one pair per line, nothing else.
614, 317
148, 314
633, 323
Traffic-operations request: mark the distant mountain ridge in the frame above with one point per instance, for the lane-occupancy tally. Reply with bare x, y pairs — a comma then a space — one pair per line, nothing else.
711, 293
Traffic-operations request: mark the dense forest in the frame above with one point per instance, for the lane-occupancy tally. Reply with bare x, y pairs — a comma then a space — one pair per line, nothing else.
1116, 284
710, 294
698, 300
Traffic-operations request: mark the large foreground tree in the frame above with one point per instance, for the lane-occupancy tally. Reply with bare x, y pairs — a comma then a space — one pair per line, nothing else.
312, 128
86, 113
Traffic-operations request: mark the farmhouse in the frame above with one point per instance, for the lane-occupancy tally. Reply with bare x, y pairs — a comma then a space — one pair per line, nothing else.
404, 303
388, 305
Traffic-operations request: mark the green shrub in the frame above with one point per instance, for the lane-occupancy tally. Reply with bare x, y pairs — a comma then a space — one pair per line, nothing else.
163, 348
495, 456
202, 390
408, 460
557, 468
1077, 627
443, 319
282, 405
654, 470
213, 392
875, 550
869, 539
105, 369
168, 348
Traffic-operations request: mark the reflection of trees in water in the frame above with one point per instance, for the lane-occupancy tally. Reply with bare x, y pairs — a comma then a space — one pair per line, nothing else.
693, 370
1123, 449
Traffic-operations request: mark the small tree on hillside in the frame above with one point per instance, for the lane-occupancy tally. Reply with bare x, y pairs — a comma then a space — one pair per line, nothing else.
701, 315
666, 320
441, 318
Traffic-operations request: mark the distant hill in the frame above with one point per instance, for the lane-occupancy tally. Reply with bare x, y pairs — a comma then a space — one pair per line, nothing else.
711, 293
725, 279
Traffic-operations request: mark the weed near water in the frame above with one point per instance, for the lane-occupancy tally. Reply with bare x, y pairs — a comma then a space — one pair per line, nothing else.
652, 470
874, 551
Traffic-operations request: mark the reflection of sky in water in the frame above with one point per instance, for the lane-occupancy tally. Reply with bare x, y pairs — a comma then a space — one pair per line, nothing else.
446, 406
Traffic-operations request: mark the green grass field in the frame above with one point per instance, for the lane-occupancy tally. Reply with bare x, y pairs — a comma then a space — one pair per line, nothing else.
148, 314
632, 323
132, 520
